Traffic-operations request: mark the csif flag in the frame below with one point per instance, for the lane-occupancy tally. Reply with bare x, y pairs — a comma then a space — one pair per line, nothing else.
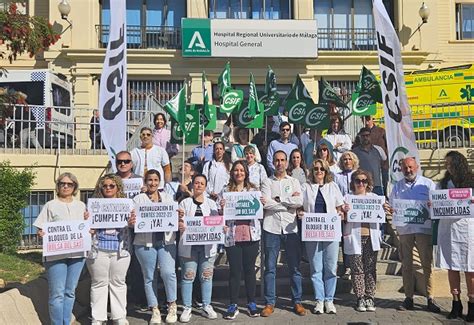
223, 81
176, 107
298, 91
254, 104
204, 115
271, 98
113, 84
398, 122
367, 94
327, 94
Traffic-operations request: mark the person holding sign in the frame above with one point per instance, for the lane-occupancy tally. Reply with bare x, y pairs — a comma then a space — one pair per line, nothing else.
242, 242
322, 195
282, 194
197, 257
414, 187
62, 270
109, 260
455, 251
361, 244
257, 173
217, 171
157, 248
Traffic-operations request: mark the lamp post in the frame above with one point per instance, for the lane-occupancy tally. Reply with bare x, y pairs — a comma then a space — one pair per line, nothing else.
64, 9
424, 13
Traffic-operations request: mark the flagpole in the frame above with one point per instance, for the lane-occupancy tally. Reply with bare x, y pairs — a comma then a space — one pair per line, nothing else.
184, 155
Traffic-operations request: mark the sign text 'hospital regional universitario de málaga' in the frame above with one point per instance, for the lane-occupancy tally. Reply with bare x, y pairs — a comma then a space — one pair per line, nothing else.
249, 38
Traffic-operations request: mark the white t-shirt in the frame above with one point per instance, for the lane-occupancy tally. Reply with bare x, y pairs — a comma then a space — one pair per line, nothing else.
154, 158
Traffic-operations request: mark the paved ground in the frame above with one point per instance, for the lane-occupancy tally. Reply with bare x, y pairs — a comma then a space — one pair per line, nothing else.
385, 314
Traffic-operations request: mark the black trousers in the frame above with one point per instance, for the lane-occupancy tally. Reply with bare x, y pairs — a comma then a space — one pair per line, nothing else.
242, 256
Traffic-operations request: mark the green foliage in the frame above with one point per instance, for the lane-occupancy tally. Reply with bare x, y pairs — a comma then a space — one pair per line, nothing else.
14, 192
21, 267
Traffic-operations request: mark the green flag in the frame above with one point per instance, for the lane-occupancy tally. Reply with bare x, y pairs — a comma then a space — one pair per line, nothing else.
270, 82
271, 98
191, 126
223, 81
363, 104
176, 107
243, 119
368, 85
254, 104
205, 114
298, 91
327, 94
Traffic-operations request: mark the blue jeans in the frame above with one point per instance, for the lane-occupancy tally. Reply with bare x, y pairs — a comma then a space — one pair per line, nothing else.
63, 276
204, 267
149, 259
293, 256
322, 258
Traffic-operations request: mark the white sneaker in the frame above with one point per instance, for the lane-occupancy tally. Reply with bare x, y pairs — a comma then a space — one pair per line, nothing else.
186, 315
155, 316
96, 322
330, 308
172, 316
209, 312
370, 304
319, 308
361, 305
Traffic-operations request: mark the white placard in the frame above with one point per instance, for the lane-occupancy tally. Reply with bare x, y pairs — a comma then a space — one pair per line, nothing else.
109, 213
455, 203
65, 237
132, 187
203, 230
243, 205
156, 217
366, 208
321, 227
410, 212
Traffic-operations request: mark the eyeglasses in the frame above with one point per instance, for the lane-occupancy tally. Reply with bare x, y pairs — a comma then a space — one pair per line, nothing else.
66, 184
146, 134
323, 149
109, 186
123, 161
319, 169
359, 181
285, 130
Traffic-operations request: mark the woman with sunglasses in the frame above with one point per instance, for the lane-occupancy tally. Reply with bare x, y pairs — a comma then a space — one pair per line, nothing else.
361, 244
257, 173
242, 242
150, 156
322, 195
109, 260
197, 257
296, 166
156, 249
62, 271
322, 149
162, 136
217, 171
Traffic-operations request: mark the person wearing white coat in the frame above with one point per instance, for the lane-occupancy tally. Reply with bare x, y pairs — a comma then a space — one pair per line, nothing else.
361, 244
196, 257
217, 171
322, 195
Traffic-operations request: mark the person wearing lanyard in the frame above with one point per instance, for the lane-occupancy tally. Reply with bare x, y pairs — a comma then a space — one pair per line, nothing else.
217, 171
157, 248
322, 195
242, 242
197, 257
237, 152
109, 260
257, 173
62, 271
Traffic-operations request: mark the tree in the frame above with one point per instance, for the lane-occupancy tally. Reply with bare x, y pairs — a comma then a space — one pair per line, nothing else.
14, 192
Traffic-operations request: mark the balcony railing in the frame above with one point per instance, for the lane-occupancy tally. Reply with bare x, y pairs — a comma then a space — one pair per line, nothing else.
342, 39
143, 37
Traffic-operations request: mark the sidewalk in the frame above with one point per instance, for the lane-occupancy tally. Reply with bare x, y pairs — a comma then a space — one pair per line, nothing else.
386, 313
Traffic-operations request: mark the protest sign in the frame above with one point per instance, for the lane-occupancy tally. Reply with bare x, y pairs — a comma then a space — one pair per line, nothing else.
132, 187
65, 237
243, 205
109, 213
156, 217
455, 203
203, 230
321, 227
410, 212
366, 208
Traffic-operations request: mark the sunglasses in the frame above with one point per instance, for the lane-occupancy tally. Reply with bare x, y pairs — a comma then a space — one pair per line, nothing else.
123, 161
323, 149
66, 184
319, 169
359, 181
146, 134
285, 130
109, 186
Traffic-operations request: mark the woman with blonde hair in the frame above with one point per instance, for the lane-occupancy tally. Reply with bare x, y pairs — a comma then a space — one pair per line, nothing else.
109, 260
62, 271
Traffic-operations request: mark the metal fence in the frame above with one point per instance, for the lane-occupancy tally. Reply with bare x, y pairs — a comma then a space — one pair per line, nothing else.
341, 39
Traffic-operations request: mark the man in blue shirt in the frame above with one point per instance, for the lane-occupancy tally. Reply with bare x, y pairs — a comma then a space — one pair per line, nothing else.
282, 144
203, 153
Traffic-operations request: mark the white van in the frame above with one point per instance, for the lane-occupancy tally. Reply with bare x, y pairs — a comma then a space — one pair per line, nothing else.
49, 98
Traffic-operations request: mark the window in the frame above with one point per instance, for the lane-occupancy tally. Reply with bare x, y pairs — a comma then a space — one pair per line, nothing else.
464, 21
250, 9
35, 203
86, 195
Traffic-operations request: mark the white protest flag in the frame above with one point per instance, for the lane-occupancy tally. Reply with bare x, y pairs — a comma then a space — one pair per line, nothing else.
113, 84
397, 114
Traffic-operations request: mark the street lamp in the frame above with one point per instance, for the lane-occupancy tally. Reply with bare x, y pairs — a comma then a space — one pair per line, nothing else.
64, 9
424, 13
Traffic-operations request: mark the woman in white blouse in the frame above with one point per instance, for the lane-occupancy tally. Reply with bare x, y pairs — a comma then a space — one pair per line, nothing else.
257, 173
217, 171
